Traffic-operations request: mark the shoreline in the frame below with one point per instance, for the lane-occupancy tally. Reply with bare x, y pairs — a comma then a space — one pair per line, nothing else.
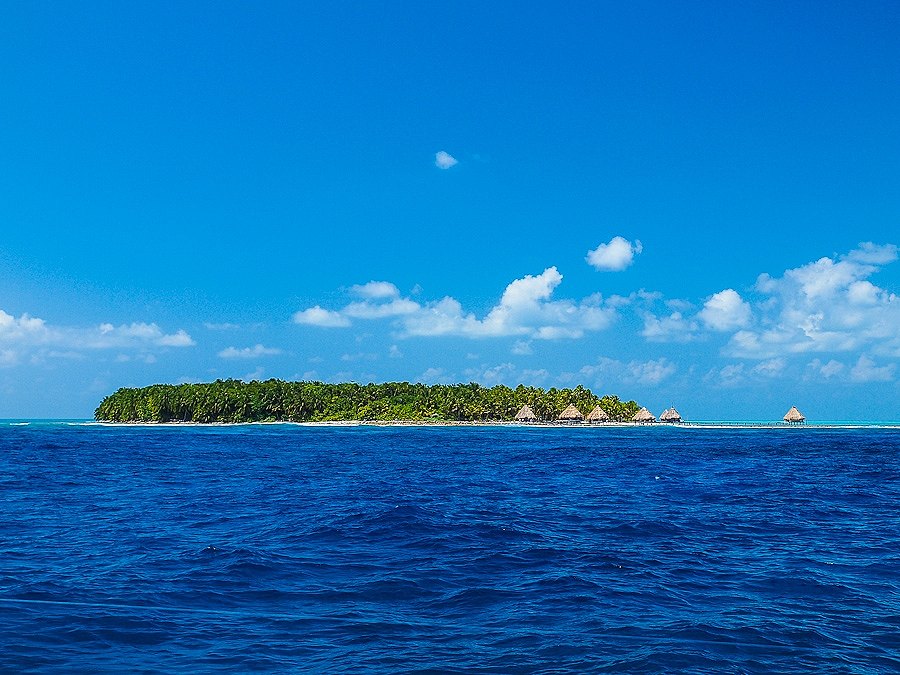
515, 425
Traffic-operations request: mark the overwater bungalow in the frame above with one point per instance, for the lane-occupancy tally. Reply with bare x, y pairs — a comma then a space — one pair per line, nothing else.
794, 416
671, 416
526, 414
597, 416
571, 414
643, 416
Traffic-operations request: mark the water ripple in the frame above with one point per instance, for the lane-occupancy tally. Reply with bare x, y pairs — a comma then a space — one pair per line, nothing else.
452, 550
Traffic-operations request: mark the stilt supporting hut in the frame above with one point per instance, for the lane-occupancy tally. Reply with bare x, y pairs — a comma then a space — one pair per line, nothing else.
597, 415
671, 416
794, 416
526, 414
571, 414
643, 416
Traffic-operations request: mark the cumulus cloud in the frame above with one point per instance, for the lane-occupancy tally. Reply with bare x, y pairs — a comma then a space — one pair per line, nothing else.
725, 311
614, 256
324, 318
33, 338
770, 368
673, 328
248, 352
833, 368
651, 372
526, 309
375, 290
24, 329
108, 335
444, 160
382, 310
522, 348
866, 370
179, 339
825, 306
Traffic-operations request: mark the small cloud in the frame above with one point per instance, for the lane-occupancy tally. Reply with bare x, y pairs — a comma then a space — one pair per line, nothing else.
375, 290
827, 370
731, 374
179, 339
444, 160
726, 310
255, 375
381, 310
221, 326
248, 352
651, 372
614, 256
522, 348
433, 376
672, 328
324, 318
394, 352
771, 368
865, 370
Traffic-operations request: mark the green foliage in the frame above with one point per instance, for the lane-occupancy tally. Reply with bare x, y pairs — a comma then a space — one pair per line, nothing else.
279, 401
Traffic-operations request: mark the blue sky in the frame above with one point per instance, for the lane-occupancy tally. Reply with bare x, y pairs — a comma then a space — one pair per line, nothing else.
688, 203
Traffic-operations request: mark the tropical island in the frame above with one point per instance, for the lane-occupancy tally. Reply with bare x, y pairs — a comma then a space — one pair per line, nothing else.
236, 401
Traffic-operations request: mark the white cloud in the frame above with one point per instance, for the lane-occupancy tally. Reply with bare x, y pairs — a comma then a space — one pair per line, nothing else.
614, 256
33, 340
672, 328
770, 368
609, 371
651, 372
394, 352
324, 318
179, 339
526, 309
434, 376
825, 306
137, 333
828, 370
444, 160
731, 375
522, 348
248, 352
725, 311
380, 310
376, 290
865, 370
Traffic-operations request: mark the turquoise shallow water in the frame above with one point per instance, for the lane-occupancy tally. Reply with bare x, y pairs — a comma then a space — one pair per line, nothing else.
471, 549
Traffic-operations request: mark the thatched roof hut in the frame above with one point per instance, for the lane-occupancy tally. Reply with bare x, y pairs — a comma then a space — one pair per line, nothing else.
671, 416
598, 414
643, 415
526, 414
571, 414
794, 416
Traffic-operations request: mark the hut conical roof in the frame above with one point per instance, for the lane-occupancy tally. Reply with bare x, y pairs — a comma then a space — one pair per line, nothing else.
598, 414
794, 415
670, 415
643, 415
526, 413
571, 413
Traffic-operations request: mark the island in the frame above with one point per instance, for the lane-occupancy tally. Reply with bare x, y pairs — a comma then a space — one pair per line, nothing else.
236, 401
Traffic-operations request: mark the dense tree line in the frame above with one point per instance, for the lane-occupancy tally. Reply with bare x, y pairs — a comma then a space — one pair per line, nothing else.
276, 400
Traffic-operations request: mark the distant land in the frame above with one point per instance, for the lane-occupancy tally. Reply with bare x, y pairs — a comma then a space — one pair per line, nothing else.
235, 401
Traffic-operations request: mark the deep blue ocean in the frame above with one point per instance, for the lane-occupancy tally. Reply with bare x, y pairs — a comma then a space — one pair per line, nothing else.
461, 550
